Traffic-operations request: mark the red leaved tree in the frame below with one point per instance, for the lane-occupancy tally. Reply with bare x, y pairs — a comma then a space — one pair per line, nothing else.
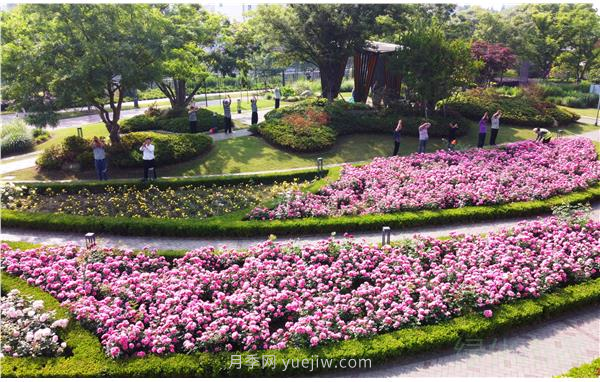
496, 58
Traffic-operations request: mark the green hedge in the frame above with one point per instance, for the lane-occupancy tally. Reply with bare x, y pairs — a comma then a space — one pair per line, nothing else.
523, 109
312, 139
169, 149
351, 118
232, 226
162, 183
588, 370
175, 122
88, 359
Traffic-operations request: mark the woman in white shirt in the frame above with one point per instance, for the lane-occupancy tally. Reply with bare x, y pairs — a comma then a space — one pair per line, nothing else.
495, 127
423, 137
147, 150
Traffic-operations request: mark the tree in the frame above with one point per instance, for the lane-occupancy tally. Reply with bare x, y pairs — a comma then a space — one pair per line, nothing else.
433, 66
190, 31
537, 35
65, 54
496, 58
579, 26
325, 35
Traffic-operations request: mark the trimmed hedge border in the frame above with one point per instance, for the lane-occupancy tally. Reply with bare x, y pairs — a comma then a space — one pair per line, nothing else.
587, 370
88, 360
232, 225
162, 183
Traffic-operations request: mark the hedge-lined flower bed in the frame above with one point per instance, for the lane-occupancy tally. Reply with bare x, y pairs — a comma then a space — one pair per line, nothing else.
519, 171
26, 329
190, 201
276, 296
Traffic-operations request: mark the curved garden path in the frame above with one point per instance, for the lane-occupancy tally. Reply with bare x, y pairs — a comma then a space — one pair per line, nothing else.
137, 242
543, 350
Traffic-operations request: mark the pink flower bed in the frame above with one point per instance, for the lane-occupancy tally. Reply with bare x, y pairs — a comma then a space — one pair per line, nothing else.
444, 179
276, 295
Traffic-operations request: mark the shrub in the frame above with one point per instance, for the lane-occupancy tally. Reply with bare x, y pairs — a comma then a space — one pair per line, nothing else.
305, 137
40, 135
51, 158
588, 370
26, 329
16, 138
526, 109
138, 123
169, 148
174, 122
350, 118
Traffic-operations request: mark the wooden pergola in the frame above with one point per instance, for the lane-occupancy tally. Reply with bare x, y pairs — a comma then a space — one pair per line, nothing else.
371, 69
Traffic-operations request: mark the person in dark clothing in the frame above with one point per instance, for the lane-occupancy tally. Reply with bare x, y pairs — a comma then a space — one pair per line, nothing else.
193, 119
254, 106
397, 136
227, 114
452, 130
399, 127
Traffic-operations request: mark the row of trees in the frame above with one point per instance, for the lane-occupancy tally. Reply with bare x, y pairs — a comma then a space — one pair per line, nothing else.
60, 55
56, 56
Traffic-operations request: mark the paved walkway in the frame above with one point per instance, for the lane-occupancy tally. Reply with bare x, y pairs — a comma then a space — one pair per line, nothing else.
94, 118
133, 242
543, 350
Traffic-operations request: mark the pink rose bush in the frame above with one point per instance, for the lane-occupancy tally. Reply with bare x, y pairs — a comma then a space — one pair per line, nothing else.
279, 295
519, 171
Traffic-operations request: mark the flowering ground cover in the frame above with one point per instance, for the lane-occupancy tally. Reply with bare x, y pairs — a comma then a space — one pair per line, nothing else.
278, 295
519, 171
26, 329
191, 201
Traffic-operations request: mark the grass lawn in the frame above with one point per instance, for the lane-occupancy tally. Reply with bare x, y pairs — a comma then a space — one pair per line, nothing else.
248, 154
589, 112
58, 135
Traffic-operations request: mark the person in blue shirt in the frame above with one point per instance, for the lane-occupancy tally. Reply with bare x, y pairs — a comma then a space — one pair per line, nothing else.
98, 147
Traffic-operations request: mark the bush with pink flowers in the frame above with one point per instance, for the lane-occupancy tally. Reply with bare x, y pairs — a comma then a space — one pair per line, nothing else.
521, 171
276, 296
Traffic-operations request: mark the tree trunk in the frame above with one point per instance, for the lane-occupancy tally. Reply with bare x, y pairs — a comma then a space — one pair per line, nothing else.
332, 74
113, 130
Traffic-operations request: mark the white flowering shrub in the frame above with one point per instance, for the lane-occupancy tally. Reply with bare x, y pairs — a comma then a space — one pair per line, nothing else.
26, 329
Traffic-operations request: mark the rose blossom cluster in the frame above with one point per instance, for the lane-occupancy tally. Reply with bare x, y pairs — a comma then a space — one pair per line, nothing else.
26, 329
449, 179
274, 296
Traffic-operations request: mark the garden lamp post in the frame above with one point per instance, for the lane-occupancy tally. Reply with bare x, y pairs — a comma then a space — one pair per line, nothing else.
90, 240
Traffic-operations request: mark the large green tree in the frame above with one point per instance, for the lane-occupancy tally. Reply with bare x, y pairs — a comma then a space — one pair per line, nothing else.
60, 55
432, 65
579, 26
190, 31
324, 35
